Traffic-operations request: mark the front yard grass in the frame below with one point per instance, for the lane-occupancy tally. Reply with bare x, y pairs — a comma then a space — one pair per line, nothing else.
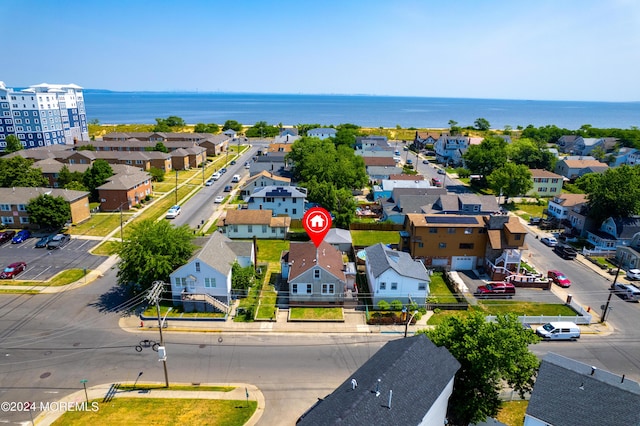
315, 314
369, 238
177, 312
495, 307
176, 387
106, 248
100, 224
162, 411
512, 412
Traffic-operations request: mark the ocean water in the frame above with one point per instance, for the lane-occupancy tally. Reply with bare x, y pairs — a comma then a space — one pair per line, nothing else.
366, 111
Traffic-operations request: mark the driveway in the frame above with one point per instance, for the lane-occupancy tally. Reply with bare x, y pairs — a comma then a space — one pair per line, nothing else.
472, 281
42, 264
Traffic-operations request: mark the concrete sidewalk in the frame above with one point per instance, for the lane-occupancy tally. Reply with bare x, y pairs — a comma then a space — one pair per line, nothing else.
104, 393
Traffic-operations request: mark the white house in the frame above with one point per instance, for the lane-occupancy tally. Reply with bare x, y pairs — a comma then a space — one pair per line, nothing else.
262, 179
255, 223
450, 148
339, 238
281, 200
322, 133
394, 275
204, 283
560, 205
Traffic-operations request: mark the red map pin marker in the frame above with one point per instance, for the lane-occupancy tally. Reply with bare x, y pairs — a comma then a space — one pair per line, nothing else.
317, 222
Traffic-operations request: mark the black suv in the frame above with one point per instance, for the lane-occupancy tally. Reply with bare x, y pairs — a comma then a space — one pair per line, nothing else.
6, 236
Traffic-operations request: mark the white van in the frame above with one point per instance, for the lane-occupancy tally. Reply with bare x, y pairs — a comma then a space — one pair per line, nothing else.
563, 330
235, 178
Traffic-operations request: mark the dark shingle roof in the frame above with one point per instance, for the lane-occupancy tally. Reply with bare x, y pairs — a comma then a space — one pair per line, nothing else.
382, 258
416, 370
566, 393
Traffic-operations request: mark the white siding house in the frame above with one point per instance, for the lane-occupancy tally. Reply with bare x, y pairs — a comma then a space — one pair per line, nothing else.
322, 133
255, 223
287, 200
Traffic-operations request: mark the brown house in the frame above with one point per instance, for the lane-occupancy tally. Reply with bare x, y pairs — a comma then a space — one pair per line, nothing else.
13, 204
123, 191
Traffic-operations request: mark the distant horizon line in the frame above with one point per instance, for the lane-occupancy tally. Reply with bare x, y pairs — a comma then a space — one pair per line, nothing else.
341, 94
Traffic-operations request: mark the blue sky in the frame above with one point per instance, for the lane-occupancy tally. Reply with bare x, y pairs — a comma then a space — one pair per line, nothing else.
543, 49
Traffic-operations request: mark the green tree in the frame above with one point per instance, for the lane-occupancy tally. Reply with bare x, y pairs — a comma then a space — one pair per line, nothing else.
485, 158
615, 193
206, 128
262, 130
160, 147
241, 278
174, 121
598, 153
161, 126
490, 353
454, 129
511, 180
304, 128
13, 144
87, 147
345, 208
19, 171
97, 175
346, 135
531, 153
157, 174
482, 124
587, 182
151, 252
48, 211
76, 185
233, 125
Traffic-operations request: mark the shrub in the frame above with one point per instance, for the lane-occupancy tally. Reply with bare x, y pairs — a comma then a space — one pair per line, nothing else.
396, 305
383, 305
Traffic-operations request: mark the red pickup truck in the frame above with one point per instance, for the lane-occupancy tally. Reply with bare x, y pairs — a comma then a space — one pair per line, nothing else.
496, 289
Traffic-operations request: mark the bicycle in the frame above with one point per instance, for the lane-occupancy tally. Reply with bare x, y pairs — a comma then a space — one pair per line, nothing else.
146, 343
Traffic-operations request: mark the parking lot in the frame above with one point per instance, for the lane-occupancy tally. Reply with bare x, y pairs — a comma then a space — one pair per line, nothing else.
42, 264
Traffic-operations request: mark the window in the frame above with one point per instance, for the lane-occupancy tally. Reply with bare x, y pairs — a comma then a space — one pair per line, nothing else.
7, 220
466, 245
178, 282
422, 286
5, 207
294, 211
197, 266
316, 273
209, 282
433, 230
308, 288
451, 230
394, 286
24, 220
22, 207
294, 288
328, 288
264, 229
249, 228
517, 237
383, 286
420, 245
442, 245
468, 231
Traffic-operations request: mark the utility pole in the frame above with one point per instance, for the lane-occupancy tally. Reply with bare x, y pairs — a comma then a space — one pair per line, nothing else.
154, 297
176, 187
613, 288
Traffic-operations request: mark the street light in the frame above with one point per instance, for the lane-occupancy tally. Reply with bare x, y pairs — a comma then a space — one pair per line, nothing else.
136, 382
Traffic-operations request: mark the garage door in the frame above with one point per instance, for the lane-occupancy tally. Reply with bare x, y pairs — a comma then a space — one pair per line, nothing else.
440, 262
463, 263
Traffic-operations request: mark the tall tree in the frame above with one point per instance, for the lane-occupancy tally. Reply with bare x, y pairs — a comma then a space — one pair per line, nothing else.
490, 353
262, 130
485, 158
97, 175
151, 252
510, 180
233, 125
13, 144
18, 171
206, 128
482, 124
241, 278
48, 211
531, 153
615, 193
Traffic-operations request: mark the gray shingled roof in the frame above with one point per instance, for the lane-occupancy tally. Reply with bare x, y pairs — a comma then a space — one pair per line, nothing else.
381, 258
566, 393
416, 370
22, 195
217, 253
125, 181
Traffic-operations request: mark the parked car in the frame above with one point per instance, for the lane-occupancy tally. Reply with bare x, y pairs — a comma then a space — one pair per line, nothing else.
441, 172
209, 182
562, 330
409, 161
535, 220
228, 188
21, 236
235, 178
42, 242
559, 278
223, 170
565, 251
219, 199
233, 162
496, 289
6, 236
58, 241
216, 176
425, 161
12, 270
247, 165
549, 241
628, 292
173, 212
633, 274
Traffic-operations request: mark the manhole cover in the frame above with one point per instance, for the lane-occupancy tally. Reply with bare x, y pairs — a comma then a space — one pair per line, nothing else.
45, 375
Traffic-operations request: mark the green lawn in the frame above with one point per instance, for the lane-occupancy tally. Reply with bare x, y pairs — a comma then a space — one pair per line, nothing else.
100, 224
268, 296
162, 411
63, 278
270, 250
177, 388
494, 307
316, 314
530, 210
176, 312
369, 238
438, 290
106, 248
512, 412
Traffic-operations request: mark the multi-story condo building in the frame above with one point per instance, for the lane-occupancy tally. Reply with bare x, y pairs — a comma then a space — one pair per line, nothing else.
42, 115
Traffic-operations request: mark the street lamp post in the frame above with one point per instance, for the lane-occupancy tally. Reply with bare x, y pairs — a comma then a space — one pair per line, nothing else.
406, 324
